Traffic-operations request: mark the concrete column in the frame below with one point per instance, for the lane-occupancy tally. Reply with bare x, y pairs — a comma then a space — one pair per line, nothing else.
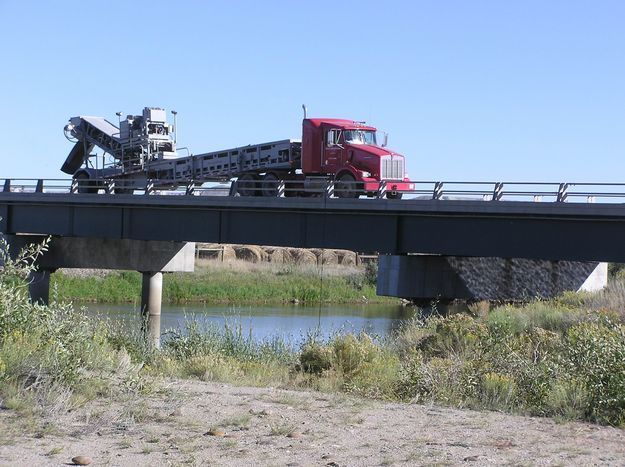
151, 297
39, 287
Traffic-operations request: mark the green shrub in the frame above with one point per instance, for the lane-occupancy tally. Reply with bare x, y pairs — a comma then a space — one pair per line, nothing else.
595, 358
568, 399
315, 358
498, 391
51, 355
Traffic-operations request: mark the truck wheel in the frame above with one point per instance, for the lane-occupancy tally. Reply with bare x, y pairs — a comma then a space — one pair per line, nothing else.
346, 187
85, 185
393, 195
270, 186
124, 191
247, 185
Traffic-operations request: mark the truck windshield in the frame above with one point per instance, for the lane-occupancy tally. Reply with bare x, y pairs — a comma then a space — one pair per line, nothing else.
360, 137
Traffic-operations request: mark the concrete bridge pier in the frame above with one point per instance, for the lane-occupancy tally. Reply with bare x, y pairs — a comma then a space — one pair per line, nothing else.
151, 299
39, 286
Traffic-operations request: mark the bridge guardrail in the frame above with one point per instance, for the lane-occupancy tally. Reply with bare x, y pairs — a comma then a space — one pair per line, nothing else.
435, 190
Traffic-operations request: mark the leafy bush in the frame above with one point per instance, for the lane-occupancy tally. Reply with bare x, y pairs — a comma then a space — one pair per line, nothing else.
315, 358
595, 358
50, 353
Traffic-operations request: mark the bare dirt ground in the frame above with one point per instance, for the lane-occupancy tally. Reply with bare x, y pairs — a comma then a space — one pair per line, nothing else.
197, 423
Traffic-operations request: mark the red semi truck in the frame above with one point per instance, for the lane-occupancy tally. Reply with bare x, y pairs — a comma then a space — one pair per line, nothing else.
331, 150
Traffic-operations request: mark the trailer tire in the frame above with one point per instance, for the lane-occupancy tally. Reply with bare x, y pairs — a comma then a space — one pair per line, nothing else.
269, 186
247, 185
124, 191
85, 184
346, 187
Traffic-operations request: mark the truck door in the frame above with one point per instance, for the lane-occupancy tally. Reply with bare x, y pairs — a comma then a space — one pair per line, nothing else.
332, 149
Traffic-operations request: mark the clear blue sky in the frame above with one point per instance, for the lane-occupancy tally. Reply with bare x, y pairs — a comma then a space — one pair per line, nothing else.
491, 90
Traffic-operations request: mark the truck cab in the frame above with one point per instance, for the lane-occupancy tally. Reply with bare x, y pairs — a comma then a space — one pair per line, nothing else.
349, 152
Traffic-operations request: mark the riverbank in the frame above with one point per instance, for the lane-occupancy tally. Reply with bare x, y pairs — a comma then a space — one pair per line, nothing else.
206, 423
234, 282
63, 375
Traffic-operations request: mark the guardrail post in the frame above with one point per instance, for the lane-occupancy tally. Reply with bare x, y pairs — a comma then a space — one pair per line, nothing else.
329, 191
109, 186
498, 191
381, 189
39, 187
73, 188
149, 187
7, 185
281, 188
562, 192
234, 188
190, 188
438, 190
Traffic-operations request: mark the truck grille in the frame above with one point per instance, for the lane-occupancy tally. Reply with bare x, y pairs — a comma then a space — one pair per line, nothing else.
392, 168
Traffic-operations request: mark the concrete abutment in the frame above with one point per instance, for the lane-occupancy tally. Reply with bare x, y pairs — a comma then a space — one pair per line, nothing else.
434, 277
151, 258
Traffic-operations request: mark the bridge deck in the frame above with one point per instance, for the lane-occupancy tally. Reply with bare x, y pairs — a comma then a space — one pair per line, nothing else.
541, 230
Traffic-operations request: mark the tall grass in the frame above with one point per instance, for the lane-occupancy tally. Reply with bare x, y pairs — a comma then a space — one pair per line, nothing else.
235, 283
51, 357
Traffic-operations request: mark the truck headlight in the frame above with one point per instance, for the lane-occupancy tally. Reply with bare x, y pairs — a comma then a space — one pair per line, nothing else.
366, 174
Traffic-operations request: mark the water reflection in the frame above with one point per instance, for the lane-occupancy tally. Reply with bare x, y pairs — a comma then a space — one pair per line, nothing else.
292, 323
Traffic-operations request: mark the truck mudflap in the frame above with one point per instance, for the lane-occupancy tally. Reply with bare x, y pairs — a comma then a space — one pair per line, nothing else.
391, 185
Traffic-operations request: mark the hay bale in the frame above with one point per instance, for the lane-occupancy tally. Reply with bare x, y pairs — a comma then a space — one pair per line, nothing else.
228, 253
251, 253
279, 255
302, 256
326, 256
346, 257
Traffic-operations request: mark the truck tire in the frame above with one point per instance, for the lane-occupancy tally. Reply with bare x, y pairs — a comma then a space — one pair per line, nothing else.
269, 186
247, 185
124, 191
346, 187
85, 184
390, 195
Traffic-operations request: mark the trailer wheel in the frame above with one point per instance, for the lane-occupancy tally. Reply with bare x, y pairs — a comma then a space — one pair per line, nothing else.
269, 187
346, 187
124, 191
247, 185
85, 184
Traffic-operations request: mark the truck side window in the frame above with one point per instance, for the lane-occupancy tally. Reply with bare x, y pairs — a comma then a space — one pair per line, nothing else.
332, 137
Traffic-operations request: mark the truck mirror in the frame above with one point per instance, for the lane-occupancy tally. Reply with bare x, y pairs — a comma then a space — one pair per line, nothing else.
385, 141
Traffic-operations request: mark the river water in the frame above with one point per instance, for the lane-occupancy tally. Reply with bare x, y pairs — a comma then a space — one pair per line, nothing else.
289, 322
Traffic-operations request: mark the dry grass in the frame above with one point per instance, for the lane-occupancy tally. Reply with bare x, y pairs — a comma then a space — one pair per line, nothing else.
240, 266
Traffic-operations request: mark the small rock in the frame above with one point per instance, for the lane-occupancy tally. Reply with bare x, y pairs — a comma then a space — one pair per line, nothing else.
471, 458
332, 464
176, 413
215, 432
265, 412
503, 444
294, 434
81, 460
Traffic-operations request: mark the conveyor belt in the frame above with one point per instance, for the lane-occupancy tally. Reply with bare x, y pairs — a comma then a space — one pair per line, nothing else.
90, 132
